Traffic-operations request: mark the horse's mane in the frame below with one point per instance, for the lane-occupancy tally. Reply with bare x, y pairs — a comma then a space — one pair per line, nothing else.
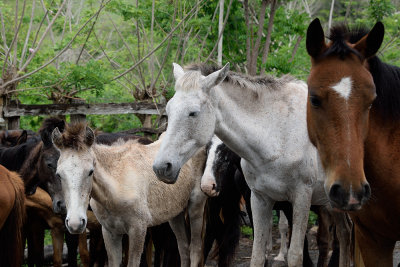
47, 128
73, 136
386, 77
255, 83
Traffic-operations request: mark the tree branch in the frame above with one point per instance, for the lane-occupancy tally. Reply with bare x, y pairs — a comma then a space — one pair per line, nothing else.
188, 16
55, 57
28, 34
43, 36
222, 32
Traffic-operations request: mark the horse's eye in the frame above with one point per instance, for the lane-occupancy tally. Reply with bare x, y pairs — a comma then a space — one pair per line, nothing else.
193, 114
50, 166
91, 172
315, 101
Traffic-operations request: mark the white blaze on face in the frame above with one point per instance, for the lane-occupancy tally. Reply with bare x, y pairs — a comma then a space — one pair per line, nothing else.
343, 88
208, 181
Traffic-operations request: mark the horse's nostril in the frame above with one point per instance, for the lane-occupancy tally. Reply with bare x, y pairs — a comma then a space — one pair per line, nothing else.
168, 166
83, 221
366, 191
213, 186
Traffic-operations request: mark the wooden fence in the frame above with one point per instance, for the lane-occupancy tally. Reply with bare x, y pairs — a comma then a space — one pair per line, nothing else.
11, 113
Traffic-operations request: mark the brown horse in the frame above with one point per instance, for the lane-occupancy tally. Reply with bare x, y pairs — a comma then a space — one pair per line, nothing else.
12, 214
353, 116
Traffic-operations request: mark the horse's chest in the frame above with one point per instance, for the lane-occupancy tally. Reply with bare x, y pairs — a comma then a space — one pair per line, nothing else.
116, 219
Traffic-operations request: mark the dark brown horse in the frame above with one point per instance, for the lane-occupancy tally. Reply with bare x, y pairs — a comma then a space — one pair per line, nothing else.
353, 116
12, 213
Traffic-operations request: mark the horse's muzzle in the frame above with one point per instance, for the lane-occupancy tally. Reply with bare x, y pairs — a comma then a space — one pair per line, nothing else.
75, 225
165, 172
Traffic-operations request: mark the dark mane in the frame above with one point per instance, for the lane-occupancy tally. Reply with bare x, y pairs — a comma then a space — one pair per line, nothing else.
386, 77
387, 82
243, 80
47, 128
339, 35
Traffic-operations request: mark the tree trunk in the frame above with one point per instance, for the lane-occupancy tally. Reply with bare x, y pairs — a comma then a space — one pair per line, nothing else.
254, 52
330, 14
220, 27
274, 7
248, 33
295, 48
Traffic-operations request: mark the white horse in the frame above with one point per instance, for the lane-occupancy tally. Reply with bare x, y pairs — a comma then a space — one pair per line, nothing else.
263, 120
126, 195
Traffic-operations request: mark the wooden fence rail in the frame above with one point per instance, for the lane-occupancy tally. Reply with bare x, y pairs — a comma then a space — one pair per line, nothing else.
10, 111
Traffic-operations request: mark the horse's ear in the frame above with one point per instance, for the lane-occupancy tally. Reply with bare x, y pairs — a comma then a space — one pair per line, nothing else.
315, 41
56, 138
370, 43
22, 138
215, 78
89, 136
178, 71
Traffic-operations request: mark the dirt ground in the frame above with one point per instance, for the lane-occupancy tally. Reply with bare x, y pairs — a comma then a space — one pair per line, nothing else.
243, 252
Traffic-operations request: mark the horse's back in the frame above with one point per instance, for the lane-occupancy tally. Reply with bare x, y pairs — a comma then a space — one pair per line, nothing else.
12, 214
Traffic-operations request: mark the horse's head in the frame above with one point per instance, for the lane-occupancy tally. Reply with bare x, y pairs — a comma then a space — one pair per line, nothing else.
191, 120
75, 170
341, 91
209, 182
47, 165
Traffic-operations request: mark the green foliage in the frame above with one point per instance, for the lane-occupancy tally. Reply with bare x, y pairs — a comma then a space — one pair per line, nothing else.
247, 231
114, 45
378, 9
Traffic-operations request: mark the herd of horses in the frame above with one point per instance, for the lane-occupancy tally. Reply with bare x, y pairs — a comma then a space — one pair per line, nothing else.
331, 145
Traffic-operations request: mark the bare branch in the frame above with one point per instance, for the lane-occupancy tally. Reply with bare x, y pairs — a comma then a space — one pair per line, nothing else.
111, 61
40, 26
48, 21
56, 56
254, 54
208, 32
36, 49
3, 31
87, 37
189, 15
274, 7
295, 48
28, 34
14, 40
222, 32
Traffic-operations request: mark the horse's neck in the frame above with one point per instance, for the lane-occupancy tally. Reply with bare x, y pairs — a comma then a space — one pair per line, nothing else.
104, 183
253, 126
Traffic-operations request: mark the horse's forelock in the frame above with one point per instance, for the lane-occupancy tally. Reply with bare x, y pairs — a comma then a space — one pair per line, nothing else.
189, 81
74, 136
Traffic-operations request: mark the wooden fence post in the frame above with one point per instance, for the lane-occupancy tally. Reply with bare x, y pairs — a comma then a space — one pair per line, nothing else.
3, 124
78, 117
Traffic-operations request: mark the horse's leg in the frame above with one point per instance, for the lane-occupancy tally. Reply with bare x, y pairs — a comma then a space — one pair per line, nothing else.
35, 242
72, 245
301, 209
196, 212
137, 236
57, 235
323, 236
83, 250
113, 244
283, 230
178, 227
262, 213
343, 232
375, 250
